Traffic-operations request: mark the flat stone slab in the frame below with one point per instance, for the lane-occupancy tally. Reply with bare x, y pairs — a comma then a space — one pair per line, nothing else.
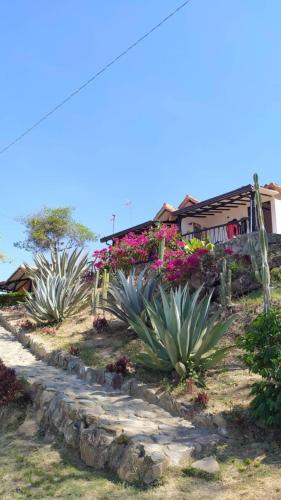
135, 439
207, 464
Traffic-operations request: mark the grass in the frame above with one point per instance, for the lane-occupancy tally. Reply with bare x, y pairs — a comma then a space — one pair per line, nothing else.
90, 357
32, 468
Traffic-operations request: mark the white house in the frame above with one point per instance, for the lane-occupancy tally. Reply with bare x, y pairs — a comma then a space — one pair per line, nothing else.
220, 218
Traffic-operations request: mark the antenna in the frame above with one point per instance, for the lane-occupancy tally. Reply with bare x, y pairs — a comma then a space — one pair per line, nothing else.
128, 204
113, 218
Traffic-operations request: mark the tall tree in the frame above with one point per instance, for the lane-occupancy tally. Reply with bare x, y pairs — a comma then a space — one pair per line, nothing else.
54, 228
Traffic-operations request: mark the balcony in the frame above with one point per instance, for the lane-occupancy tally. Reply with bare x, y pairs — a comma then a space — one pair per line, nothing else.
222, 232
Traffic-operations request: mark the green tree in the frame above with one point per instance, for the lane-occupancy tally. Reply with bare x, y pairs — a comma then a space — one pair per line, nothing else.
54, 229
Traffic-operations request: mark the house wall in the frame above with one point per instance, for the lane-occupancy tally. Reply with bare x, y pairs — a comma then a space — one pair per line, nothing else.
238, 212
235, 213
276, 214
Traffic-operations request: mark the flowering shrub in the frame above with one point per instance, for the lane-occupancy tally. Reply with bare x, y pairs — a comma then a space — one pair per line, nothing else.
177, 264
11, 389
180, 256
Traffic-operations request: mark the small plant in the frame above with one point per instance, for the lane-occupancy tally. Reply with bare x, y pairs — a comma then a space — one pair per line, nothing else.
122, 366
100, 324
11, 389
262, 346
180, 334
202, 399
74, 351
25, 324
196, 244
276, 275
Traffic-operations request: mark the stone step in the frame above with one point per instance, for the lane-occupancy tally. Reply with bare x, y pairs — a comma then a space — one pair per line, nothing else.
133, 438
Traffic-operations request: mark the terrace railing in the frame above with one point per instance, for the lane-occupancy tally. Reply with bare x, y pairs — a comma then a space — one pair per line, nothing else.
221, 232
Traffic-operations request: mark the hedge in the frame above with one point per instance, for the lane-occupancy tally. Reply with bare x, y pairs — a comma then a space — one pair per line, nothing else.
11, 298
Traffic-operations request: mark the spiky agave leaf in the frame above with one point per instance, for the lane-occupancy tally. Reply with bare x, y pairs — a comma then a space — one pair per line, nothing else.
58, 288
182, 335
126, 295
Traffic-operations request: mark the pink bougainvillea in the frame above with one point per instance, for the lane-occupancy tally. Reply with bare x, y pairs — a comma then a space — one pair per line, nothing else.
135, 248
177, 263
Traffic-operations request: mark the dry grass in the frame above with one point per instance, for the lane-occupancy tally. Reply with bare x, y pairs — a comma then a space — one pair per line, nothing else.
32, 468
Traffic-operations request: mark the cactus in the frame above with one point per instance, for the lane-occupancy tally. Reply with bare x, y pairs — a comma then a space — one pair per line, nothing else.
225, 285
161, 249
254, 261
262, 273
105, 284
96, 293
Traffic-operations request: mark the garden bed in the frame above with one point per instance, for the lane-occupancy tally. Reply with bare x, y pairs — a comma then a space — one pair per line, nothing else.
227, 387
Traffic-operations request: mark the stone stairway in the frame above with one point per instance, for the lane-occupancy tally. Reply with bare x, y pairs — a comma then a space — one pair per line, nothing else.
135, 439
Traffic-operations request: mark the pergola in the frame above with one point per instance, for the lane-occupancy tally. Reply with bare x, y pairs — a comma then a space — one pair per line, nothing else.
244, 195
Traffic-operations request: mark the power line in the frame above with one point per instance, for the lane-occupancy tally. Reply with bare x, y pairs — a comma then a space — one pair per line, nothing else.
96, 75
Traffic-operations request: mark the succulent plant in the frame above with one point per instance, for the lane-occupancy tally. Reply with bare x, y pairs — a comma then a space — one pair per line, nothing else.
260, 260
182, 335
59, 290
127, 295
264, 271
225, 284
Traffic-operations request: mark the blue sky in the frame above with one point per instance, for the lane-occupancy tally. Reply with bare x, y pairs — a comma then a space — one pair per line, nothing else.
194, 109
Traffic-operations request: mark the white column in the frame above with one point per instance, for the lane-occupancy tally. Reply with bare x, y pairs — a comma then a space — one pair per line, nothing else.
276, 215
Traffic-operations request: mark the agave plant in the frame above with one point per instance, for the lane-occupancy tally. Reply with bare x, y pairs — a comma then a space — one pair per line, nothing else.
182, 335
59, 290
127, 295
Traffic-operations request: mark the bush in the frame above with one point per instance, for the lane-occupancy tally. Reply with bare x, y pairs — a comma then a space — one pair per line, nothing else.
262, 345
11, 298
266, 405
11, 389
276, 274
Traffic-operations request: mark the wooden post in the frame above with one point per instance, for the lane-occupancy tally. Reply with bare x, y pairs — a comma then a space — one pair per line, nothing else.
253, 213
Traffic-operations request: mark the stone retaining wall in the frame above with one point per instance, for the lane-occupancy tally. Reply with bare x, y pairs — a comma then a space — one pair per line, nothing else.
128, 436
124, 385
